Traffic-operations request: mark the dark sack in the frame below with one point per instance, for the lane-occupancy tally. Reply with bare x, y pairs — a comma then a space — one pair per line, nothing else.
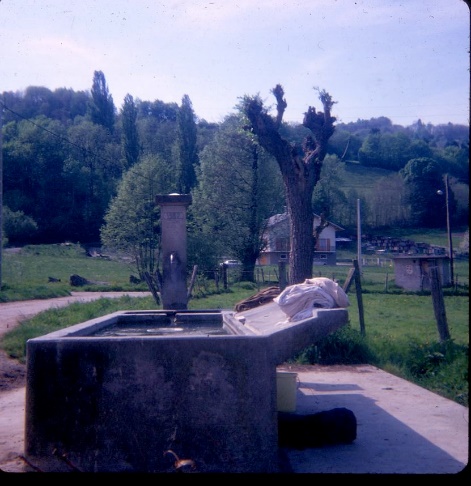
336, 426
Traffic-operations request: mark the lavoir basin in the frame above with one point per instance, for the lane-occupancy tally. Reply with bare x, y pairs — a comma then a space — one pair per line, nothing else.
139, 391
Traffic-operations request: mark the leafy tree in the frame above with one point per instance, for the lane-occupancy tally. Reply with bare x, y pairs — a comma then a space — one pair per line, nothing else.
130, 135
34, 151
158, 110
389, 151
186, 152
101, 107
37, 101
370, 149
61, 104
423, 177
132, 218
300, 168
388, 205
157, 128
460, 194
348, 213
344, 145
419, 148
238, 189
90, 173
18, 228
328, 196
454, 160
205, 133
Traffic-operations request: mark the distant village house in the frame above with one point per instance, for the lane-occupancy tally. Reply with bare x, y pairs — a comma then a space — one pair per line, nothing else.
277, 239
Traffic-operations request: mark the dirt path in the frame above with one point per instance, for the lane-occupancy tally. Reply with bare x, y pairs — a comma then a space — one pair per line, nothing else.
13, 373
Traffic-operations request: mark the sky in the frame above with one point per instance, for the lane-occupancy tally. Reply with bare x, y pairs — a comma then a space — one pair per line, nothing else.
402, 59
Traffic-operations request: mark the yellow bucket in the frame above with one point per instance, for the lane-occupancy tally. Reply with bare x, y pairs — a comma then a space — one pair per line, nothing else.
286, 387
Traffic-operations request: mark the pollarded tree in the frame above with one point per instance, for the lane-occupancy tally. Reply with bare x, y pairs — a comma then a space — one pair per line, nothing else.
300, 166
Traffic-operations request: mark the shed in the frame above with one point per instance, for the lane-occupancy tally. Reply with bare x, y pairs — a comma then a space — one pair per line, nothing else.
412, 272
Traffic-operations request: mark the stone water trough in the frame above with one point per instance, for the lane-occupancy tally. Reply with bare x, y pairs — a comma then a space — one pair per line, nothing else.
135, 391
164, 390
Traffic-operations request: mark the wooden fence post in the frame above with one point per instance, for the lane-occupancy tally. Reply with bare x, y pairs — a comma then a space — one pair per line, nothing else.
354, 274
282, 278
439, 304
359, 297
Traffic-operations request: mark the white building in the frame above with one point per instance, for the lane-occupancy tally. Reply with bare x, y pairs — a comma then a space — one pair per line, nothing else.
277, 239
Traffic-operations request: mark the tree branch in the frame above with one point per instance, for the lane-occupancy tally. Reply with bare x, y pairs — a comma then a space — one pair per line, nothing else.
281, 104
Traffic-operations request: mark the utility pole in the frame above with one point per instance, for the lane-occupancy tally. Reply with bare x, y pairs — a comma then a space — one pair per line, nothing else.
358, 236
448, 228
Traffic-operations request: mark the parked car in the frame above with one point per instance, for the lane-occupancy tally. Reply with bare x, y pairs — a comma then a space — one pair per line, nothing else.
232, 263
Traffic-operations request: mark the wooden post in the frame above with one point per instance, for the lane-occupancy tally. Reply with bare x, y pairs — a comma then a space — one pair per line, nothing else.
439, 304
359, 297
282, 271
349, 280
224, 275
354, 274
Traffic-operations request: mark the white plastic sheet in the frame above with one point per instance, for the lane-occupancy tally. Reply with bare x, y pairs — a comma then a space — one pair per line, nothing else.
298, 301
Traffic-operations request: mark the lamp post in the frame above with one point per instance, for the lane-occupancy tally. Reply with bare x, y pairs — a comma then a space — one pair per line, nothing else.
448, 228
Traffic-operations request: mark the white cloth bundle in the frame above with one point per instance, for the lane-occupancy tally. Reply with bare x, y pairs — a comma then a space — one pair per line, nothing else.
298, 301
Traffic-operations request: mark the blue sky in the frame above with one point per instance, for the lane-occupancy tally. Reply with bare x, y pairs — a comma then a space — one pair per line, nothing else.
401, 59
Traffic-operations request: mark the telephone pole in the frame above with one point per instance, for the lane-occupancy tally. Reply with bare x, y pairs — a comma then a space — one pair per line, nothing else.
448, 229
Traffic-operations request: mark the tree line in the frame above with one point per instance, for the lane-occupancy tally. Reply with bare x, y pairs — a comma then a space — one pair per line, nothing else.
75, 168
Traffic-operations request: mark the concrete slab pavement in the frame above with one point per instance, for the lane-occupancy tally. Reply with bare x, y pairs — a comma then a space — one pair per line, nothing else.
401, 428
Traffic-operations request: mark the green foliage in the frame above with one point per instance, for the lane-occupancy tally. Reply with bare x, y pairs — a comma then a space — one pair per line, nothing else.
62, 164
17, 226
345, 346
426, 359
101, 107
130, 134
423, 177
186, 150
239, 187
132, 220
328, 199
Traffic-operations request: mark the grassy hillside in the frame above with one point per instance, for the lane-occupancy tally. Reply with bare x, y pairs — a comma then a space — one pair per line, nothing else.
362, 179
